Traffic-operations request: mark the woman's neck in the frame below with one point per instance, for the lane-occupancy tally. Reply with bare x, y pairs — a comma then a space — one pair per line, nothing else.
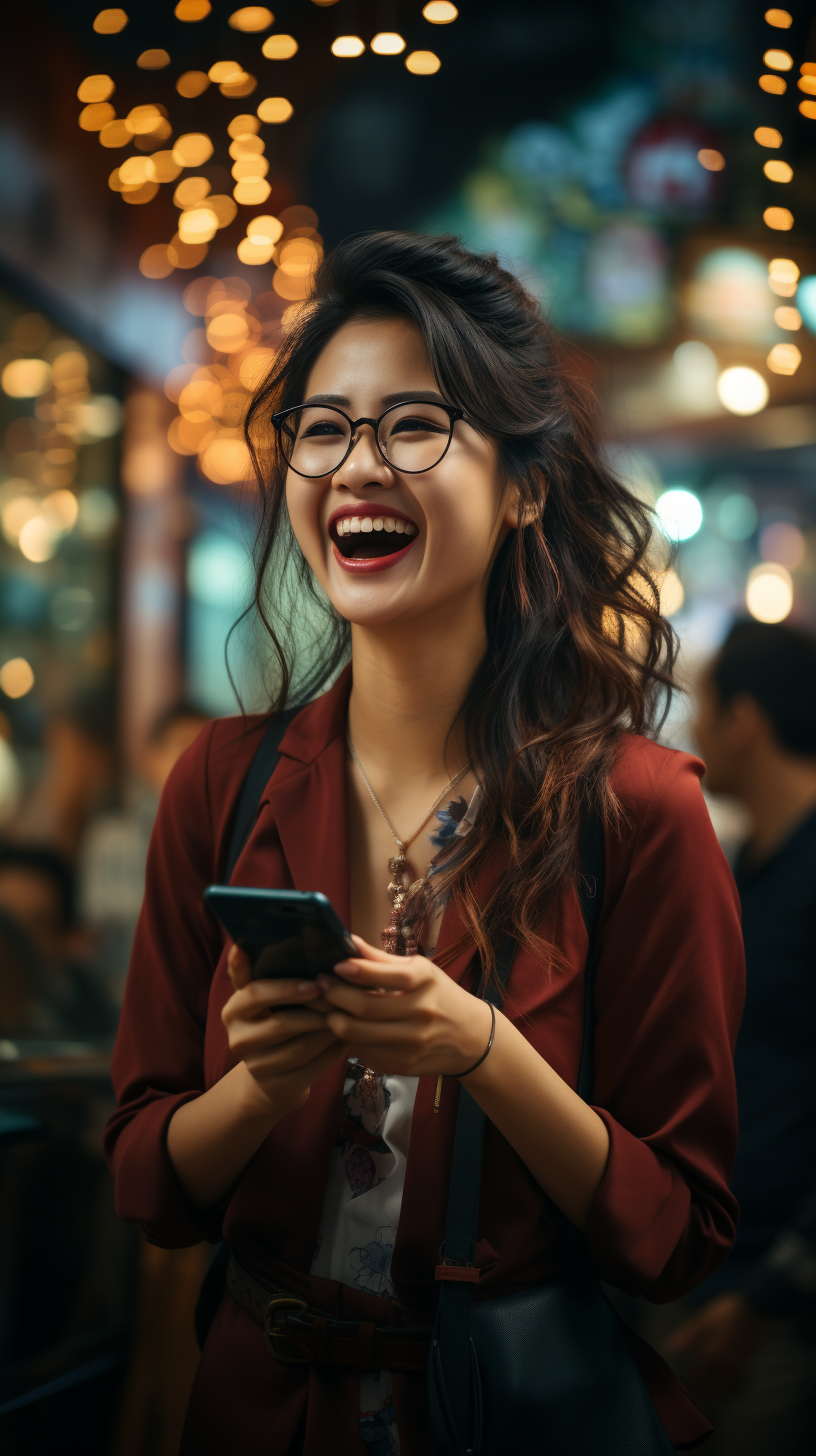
409, 683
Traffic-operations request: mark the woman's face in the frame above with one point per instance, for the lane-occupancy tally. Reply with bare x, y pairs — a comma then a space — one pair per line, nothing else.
452, 518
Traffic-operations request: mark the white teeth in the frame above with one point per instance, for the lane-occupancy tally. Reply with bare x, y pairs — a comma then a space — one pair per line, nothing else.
366, 524
350, 525
378, 523
354, 524
389, 523
399, 527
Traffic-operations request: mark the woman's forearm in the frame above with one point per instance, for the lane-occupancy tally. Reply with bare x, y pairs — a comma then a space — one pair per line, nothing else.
562, 1141
211, 1139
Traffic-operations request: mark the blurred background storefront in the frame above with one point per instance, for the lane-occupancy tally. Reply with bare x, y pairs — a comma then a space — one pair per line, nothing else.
169, 178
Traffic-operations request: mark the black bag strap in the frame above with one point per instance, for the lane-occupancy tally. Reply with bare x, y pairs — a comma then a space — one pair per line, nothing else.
452, 1328
260, 772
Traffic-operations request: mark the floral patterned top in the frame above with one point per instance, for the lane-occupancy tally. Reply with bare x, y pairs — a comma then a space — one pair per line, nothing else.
361, 1207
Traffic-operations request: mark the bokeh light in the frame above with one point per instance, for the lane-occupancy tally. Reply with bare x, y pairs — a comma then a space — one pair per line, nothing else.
38, 539
26, 378
154, 60
387, 43
737, 517
782, 19
190, 191
806, 299
279, 47
787, 317
347, 46
192, 83
672, 595
743, 391
422, 63
192, 10
712, 160
16, 677
808, 109
251, 18
778, 60
192, 149
777, 171
96, 88
768, 136
265, 228
115, 134
783, 542
110, 22
251, 191
243, 125
440, 12
784, 359
97, 115
154, 262
769, 592
779, 218
275, 109
775, 85
680, 513
783, 276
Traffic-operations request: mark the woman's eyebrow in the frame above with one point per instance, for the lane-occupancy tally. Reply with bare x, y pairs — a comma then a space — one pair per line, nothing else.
413, 396
339, 399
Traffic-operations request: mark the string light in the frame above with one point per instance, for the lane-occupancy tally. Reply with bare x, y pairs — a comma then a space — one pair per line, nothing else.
422, 63
279, 47
110, 22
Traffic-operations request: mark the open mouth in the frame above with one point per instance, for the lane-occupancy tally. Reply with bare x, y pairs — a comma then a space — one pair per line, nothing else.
371, 537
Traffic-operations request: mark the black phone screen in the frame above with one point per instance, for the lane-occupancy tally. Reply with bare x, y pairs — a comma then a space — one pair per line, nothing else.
287, 934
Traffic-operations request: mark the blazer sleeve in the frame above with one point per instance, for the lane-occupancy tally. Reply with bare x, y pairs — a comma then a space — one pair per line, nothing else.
158, 1060
669, 994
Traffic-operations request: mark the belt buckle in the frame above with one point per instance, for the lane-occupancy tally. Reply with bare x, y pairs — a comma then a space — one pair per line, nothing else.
274, 1337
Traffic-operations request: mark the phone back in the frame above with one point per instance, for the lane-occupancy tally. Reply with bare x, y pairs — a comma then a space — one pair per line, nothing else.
287, 934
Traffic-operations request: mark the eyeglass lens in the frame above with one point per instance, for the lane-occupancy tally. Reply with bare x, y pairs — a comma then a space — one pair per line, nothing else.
412, 437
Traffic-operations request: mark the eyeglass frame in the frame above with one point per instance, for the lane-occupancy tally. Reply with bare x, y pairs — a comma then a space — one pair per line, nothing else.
452, 411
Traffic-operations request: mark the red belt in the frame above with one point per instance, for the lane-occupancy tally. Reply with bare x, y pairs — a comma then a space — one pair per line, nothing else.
298, 1335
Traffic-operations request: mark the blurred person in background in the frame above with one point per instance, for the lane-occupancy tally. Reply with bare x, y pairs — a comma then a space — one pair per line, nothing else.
77, 777
749, 1348
48, 986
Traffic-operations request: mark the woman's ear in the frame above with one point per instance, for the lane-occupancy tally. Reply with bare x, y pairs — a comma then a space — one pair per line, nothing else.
530, 510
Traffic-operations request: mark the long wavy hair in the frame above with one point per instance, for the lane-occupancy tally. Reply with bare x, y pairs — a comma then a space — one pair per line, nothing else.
577, 653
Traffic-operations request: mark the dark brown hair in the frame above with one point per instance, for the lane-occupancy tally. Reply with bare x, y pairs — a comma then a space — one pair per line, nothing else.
577, 649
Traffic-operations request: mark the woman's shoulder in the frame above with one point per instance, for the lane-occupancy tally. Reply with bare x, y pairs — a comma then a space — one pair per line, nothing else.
211, 771
651, 779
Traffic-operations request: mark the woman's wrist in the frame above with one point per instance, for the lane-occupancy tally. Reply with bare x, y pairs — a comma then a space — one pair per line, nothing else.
253, 1103
475, 1046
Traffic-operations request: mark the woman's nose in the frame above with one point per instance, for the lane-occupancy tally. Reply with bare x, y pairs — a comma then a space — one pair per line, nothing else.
364, 463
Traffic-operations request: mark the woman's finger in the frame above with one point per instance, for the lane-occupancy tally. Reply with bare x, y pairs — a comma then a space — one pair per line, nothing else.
291, 1056
392, 977
359, 1032
239, 968
256, 998
374, 1005
272, 1031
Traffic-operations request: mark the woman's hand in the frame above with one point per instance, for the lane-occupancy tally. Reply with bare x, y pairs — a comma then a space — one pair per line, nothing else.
279, 1030
403, 1014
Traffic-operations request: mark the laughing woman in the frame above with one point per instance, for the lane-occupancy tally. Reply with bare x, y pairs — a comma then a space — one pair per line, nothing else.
497, 657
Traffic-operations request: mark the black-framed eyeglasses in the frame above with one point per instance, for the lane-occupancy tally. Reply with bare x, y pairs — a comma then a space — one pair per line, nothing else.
316, 439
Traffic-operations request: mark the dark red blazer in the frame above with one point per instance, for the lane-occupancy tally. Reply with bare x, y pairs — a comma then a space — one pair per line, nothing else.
669, 999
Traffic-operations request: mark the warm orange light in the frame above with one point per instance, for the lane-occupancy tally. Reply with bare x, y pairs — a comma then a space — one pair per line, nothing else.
224, 71
254, 367
779, 218
138, 195
192, 10
247, 146
422, 63
192, 149
279, 47
784, 359
244, 124
198, 224
266, 229
808, 109
249, 167
154, 262
95, 88
782, 288
97, 115
228, 331
26, 378
292, 289
192, 83
275, 109
227, 460
778, 171
242, 85
185, 255
786, 317
768, 136
440, 12
251, 18
712, 160
778, 60
780, 18
251, 191
808, 84
224, 208
299, 257
141, 120
776, 85
16, 677
387, 43
808, 68
135, 171
165, 168
154, 60
187, 437
347, 46
115, 134
190, 191
254, 251
110, 22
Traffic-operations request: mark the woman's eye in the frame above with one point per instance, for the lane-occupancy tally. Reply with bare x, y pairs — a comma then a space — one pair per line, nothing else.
322, 427
414, 423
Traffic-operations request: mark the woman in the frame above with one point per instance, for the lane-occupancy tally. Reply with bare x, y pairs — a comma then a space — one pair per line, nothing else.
426, 460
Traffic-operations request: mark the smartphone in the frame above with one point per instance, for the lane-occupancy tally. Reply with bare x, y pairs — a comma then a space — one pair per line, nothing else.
287, 934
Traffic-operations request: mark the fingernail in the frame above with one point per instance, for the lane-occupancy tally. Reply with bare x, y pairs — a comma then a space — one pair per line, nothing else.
306, 986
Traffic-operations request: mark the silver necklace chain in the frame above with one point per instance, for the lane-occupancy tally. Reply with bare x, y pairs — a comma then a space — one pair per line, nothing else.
402, 844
